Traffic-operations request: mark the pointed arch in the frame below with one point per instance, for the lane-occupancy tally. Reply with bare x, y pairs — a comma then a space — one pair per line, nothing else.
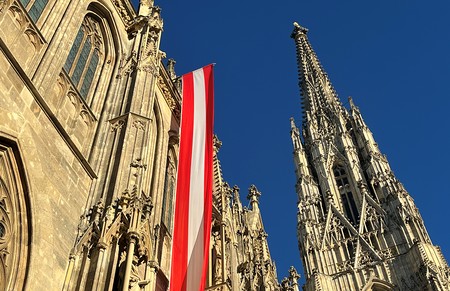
87, 55
15, 218
347, 199
169, 189
156, 150
92, 58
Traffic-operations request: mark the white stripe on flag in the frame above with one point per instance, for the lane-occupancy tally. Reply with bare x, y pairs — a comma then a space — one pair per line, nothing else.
193, 200
196, 198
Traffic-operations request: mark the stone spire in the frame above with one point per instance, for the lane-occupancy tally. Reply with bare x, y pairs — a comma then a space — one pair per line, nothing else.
239, 253
318, 95
358, 228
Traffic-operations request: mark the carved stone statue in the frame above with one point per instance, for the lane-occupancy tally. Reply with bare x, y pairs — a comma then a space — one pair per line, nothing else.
137, 276
217, 250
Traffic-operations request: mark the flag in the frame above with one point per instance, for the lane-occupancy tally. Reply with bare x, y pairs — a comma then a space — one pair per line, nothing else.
193, 200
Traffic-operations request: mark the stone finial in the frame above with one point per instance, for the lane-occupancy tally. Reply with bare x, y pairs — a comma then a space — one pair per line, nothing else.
236, 197
353, 107
171, 68
298, 30
363, 187
350, 100
216, 143
293, 126
253, 194
295, 135
285, 284
329, 197
226, 189
293, 275
146, 3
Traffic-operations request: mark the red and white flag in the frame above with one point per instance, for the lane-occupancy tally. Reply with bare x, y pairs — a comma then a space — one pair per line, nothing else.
193, 202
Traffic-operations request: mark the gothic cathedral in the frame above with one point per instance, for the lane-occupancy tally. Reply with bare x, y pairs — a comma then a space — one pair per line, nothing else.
358, 228
89, 137
89, 124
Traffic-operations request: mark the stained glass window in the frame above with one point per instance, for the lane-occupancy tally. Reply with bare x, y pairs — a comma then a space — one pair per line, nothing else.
35, 8
85, 56
74, 50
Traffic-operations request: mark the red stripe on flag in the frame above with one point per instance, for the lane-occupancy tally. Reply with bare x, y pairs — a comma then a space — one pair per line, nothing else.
209, 104
193, 202
180, 232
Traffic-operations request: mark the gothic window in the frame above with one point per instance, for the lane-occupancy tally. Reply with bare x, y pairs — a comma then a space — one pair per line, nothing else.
343, 185
34, 8
169, 191
14, 232
350, 250
374, 241
86, 56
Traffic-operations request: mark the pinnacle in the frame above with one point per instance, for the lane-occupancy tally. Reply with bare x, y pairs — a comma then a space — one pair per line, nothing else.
298, 29
293, 126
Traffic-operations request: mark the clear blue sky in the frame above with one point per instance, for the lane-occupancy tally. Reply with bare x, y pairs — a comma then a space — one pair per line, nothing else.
393, 57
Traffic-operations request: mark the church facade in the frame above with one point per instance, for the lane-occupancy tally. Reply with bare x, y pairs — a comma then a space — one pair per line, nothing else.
89, 125
358, 228
89, 133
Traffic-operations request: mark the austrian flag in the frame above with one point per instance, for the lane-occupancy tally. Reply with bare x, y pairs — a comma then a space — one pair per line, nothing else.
193, 202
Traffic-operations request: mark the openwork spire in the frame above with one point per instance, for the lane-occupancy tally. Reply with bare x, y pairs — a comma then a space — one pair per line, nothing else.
318, 94
358, 228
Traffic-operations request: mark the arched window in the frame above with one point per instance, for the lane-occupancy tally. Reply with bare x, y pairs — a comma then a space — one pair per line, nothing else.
169, 192
85, 56
14, 218
343, 184
34, 8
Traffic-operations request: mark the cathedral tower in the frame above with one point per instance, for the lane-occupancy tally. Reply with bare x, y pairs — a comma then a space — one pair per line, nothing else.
358, 228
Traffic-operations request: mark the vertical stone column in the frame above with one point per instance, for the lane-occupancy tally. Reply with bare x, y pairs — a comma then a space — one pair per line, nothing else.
132, 240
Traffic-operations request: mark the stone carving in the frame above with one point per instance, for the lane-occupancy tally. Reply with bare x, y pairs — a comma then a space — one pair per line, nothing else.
6, 234
92, 29
139, 124
370, 231
127, 64
137, 281
117, 124
3, 4
168, 96
26, 24
13, 226
124, 10
34, 38
19, 14
217, 250
171, 68
153, 21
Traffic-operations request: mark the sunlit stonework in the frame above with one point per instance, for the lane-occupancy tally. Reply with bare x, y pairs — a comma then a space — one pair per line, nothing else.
89, 136
89, 133
358, 228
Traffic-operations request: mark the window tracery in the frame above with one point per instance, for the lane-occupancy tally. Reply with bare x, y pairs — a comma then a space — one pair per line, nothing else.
343, 185
86, 56
13, 223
